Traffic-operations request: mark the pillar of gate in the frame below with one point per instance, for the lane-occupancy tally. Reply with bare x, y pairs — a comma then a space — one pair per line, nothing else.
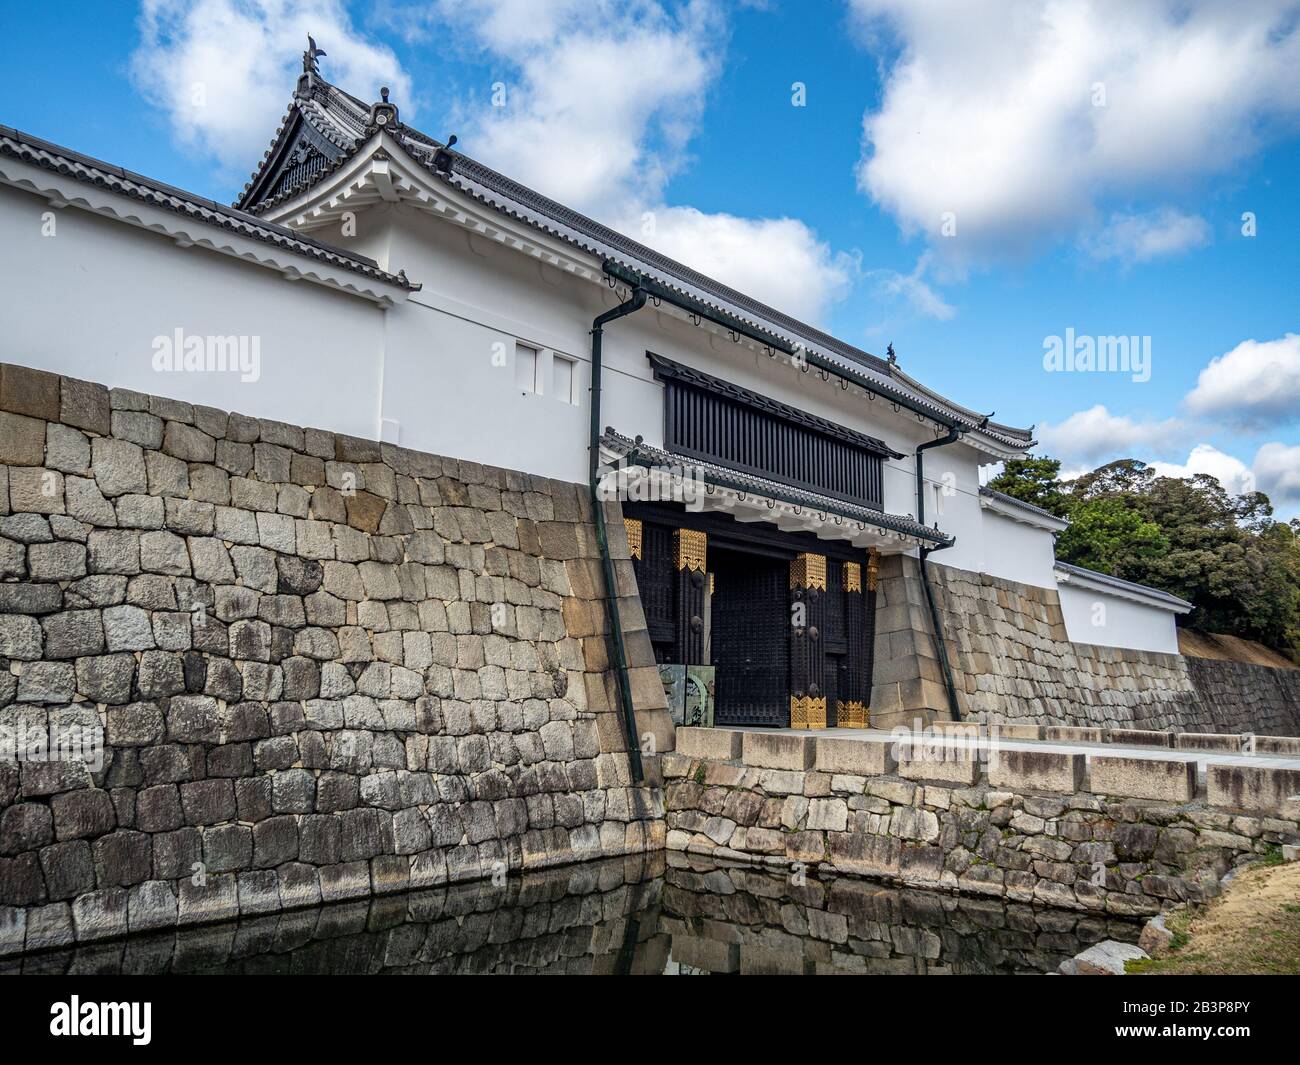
907, 680
851, 708
807, 651
690, 560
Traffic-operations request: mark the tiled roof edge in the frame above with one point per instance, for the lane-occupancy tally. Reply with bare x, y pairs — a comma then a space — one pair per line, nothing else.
724, 477
1145, 591
91, 171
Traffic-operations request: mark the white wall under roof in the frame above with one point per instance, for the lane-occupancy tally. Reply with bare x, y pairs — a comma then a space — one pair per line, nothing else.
1017, 551
449, 393
1098, 617
435, 372
89, 301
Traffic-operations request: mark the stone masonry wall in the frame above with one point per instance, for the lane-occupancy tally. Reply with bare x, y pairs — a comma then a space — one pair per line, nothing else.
847, 806
1247, 697
323, 667
1013, 662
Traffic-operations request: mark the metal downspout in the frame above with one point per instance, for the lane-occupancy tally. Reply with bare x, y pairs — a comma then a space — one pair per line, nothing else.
925, 552
615, 625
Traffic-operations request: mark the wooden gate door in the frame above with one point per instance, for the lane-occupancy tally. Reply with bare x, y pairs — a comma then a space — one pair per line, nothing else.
751, 638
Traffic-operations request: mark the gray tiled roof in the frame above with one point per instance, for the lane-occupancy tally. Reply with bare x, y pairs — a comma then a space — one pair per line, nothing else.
1123, 585
517, 201
723, 477
342, 118
58, 159
1020, 504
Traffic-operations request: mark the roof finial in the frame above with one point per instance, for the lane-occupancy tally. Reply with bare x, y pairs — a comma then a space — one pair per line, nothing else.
309, 57
442, 157
383, 115
889, 351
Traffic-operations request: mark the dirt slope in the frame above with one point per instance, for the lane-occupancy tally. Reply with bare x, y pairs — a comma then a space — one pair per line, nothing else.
1230, 648
1252, 929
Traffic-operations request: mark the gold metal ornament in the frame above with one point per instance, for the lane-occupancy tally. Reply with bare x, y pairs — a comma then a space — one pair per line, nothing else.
852, 714
691, 549
634, 534
852, 577
808, 571
807, 712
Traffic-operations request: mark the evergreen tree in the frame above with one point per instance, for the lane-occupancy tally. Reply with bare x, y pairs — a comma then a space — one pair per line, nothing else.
1227, 555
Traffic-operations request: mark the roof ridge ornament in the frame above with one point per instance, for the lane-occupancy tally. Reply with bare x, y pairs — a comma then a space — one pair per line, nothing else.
383, 115
310, 68
442, 159
309, 57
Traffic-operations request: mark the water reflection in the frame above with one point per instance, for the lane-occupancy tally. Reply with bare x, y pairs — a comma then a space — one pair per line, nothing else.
648, 914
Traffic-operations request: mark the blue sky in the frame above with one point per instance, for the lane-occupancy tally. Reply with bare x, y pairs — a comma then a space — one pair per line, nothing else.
1095, 165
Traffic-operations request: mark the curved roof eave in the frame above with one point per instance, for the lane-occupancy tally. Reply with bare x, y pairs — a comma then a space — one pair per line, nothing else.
882, 375
88, 170
336, 113
1128, 589
638, 452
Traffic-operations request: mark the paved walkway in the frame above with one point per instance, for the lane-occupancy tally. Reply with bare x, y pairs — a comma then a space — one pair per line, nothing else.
954, 741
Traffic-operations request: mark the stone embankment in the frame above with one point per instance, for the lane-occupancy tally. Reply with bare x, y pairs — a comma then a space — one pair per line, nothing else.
246, 666
1013, 661
1109, 833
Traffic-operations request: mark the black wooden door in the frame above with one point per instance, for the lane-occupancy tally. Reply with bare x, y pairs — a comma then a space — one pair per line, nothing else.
751, 638
835, 640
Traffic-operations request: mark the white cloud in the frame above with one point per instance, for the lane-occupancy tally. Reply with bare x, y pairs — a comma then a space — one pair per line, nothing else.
605, 99
1255, 384
914, 290
599, 111
777, 260
506, 25
1235, 476
1277, 472
1137, 238
1096, 434
222, 70
991, 114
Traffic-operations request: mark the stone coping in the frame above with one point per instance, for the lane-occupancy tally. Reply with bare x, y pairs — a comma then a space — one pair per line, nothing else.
1233, 742
1249, 783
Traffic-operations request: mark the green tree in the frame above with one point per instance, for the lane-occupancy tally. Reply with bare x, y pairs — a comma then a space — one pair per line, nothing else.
1227, 555
1035, 481
1111, 537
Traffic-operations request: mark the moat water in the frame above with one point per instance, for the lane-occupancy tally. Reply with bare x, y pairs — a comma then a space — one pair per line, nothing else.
669, 914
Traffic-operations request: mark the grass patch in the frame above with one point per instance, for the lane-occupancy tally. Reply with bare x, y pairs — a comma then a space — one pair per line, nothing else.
1252, 929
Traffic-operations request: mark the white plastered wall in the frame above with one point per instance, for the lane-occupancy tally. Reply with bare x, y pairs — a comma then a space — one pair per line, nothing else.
89, 300
1017, 551
1096, 617
450, 391
434, 372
